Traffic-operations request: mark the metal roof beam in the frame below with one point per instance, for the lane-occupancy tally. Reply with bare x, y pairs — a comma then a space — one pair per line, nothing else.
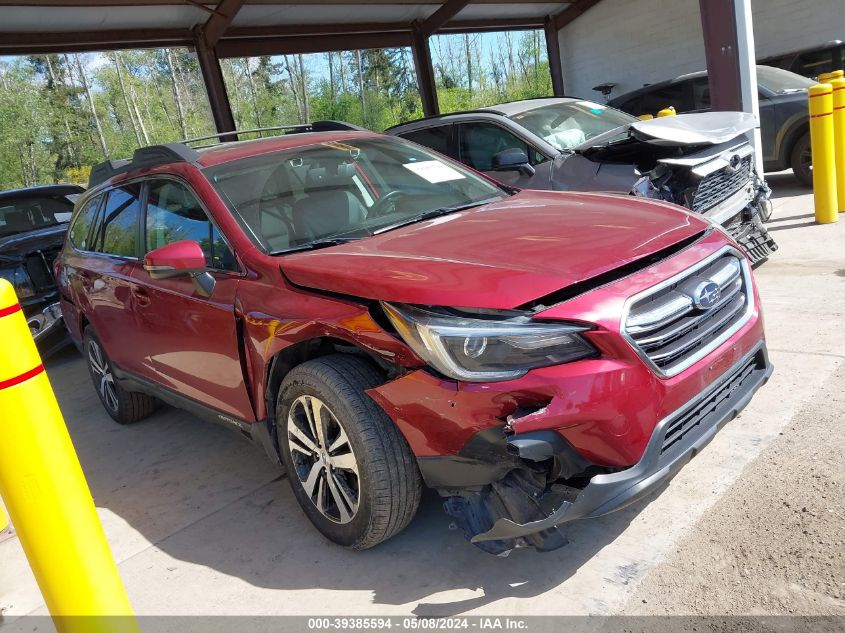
220, 20
573, 11
446, 12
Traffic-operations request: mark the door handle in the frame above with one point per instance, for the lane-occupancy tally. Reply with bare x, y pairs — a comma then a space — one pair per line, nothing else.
141, 297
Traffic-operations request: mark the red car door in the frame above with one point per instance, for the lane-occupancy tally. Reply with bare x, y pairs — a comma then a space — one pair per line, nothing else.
106, 270
189, 341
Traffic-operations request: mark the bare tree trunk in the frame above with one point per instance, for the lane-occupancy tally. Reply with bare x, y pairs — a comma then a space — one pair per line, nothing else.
293, 88
228, 66
360, 71
331, 78
133, 99
138, 116
468, 54
251, 84
116, 60
177, 95
342, 73
164, 109
303, 78
87, 87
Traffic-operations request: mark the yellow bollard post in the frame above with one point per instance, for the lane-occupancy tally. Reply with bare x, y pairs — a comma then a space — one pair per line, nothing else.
839, 137
821, 144
46, 495
670, 111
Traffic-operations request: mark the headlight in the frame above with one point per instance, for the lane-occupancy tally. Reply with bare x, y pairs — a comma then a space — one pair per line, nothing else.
482, 349
19, 280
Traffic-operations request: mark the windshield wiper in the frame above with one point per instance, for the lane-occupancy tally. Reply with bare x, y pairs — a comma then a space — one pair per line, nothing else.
430, 215
310, 246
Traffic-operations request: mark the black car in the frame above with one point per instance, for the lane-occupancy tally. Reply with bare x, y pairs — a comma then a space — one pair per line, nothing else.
33, 224
810, 62
784, 118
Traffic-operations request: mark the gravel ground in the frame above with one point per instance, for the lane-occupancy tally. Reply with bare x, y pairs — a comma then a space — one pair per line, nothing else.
774, 544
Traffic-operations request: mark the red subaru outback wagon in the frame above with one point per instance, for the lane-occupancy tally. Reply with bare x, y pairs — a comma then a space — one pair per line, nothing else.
378, 317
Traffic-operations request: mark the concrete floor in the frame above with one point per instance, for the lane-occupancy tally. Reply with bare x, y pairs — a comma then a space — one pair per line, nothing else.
200, 523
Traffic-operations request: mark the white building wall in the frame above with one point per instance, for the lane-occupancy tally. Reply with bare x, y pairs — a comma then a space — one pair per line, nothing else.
633, 42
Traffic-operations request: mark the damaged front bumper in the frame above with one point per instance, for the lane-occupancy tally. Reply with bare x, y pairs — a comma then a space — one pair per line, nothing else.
493, 519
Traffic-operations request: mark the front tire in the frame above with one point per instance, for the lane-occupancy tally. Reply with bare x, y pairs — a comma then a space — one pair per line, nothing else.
124, 407
801, 161
348, 465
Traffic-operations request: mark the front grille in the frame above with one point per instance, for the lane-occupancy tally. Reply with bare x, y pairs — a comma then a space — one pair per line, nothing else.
720, 185
39, 266
707, 411
677, 324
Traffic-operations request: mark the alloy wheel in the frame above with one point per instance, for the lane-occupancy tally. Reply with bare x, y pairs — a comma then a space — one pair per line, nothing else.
103, 378
807, 161
323, 458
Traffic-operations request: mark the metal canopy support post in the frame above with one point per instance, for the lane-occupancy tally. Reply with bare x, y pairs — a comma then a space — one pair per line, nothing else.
555, 61
425, 73
215, 87
718, 23
748, 74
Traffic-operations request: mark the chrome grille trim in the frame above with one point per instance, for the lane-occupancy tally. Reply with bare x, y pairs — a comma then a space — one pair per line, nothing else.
720, 185
682, 335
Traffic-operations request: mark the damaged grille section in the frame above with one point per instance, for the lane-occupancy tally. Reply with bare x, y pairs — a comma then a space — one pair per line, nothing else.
677, 324
720, 185
705, 412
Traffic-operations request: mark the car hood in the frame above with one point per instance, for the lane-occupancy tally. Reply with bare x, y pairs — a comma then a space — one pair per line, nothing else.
697, 128
499, 255
15, 246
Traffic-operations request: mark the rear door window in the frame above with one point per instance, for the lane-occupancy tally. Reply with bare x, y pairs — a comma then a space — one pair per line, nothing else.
120, 221
675, 94
80, 230
440, 139
174, 214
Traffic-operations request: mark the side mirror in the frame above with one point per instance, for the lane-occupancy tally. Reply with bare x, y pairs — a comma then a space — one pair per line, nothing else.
180, 259
512, 159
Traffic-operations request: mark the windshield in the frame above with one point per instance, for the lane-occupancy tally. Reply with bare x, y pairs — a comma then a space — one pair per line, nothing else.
782, 81
288, 200
568, 125
19, 215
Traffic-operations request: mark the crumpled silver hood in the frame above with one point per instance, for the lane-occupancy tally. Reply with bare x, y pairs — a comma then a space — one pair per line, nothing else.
695, 129
698, 128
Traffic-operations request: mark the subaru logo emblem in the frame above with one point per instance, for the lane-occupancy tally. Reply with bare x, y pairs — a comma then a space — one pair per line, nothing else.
734, 164
706, 295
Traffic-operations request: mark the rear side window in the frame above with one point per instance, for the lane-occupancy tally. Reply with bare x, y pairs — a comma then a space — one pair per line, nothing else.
174, 214
672, 95
440, 139
701, 94
814, 63
120, 221
80, 230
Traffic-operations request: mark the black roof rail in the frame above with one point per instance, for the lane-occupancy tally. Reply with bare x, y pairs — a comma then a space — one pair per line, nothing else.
167, 153
180, 152
143, 157
297, 128
103, 171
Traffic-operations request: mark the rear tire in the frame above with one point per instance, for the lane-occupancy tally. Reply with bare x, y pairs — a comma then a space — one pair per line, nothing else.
349, 467
124, 407
801, 161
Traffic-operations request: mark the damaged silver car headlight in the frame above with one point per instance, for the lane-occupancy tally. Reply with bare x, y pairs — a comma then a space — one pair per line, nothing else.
486, 349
